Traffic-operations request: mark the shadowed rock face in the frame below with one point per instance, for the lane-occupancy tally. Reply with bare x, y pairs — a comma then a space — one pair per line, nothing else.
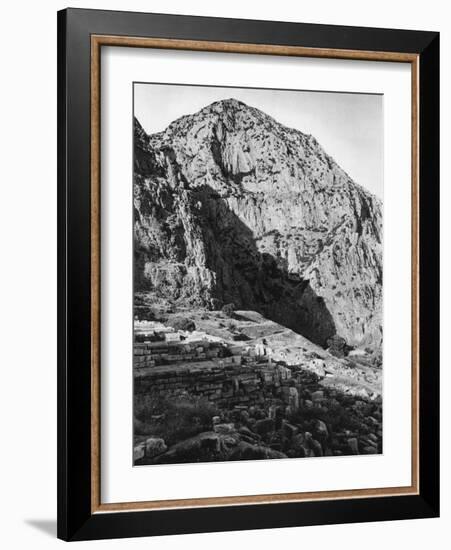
231, 206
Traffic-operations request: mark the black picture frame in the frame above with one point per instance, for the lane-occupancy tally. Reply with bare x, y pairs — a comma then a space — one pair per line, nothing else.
76, 521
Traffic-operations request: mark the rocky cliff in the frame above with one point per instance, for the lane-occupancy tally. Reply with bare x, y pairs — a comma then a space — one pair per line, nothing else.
231, 206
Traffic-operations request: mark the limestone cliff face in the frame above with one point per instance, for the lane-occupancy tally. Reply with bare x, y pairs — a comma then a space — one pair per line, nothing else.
231, 206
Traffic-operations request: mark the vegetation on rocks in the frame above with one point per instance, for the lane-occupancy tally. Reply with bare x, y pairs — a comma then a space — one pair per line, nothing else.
319, 422
173, 419
228, 309
182, 323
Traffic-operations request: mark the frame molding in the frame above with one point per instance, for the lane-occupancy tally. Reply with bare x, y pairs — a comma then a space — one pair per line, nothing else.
82, 515
97, 41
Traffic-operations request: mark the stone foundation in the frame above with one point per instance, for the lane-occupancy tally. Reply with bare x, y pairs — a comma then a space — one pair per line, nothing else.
227, 382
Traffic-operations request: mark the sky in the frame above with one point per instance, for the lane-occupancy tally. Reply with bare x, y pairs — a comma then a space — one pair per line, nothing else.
348, 126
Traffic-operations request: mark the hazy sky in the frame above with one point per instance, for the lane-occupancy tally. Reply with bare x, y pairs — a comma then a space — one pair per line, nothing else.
348, 126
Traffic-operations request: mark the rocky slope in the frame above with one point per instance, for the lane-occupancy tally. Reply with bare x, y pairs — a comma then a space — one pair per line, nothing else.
231, 206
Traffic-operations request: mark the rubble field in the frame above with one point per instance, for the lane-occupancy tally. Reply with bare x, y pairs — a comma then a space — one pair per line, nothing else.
241, 387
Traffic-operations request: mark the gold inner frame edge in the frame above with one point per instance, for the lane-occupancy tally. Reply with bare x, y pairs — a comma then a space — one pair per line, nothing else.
97, 41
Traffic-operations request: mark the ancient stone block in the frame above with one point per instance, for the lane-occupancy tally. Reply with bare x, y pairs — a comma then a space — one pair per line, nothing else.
139, 451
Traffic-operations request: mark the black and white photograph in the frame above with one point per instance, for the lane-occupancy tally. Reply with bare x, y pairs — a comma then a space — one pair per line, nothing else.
257, 274
225, 283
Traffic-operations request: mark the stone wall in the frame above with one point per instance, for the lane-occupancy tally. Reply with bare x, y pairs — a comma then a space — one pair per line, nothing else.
150, 354
226, 382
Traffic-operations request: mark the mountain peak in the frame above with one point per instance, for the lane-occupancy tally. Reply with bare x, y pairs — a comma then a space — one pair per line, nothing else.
228, 104
230, 108
236, 207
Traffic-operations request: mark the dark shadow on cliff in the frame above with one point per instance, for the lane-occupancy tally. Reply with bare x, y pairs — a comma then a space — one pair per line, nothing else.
244, 276
256, 280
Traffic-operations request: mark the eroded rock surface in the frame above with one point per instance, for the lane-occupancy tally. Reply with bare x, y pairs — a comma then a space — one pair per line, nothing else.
231, 206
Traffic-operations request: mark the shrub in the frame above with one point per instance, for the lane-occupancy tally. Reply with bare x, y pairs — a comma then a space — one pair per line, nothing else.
214, 304
337, 346
228, 309
182, 323
336, 417
240, 337
179, 418
231, 326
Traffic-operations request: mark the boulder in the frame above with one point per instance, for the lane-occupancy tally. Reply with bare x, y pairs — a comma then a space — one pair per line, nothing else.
289, 429
316, 447
244, 417
371, 421
312, 446
259, 414
224, 428
202, 447
293, 399
353, 445
297, 445
249, 434
154, 446
317, 396
139, 451
317, 366
320, 430
369, 450
337, 346
246, 451
265, 426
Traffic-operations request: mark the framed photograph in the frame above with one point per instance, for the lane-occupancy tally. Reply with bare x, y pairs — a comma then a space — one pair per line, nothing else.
248, 274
